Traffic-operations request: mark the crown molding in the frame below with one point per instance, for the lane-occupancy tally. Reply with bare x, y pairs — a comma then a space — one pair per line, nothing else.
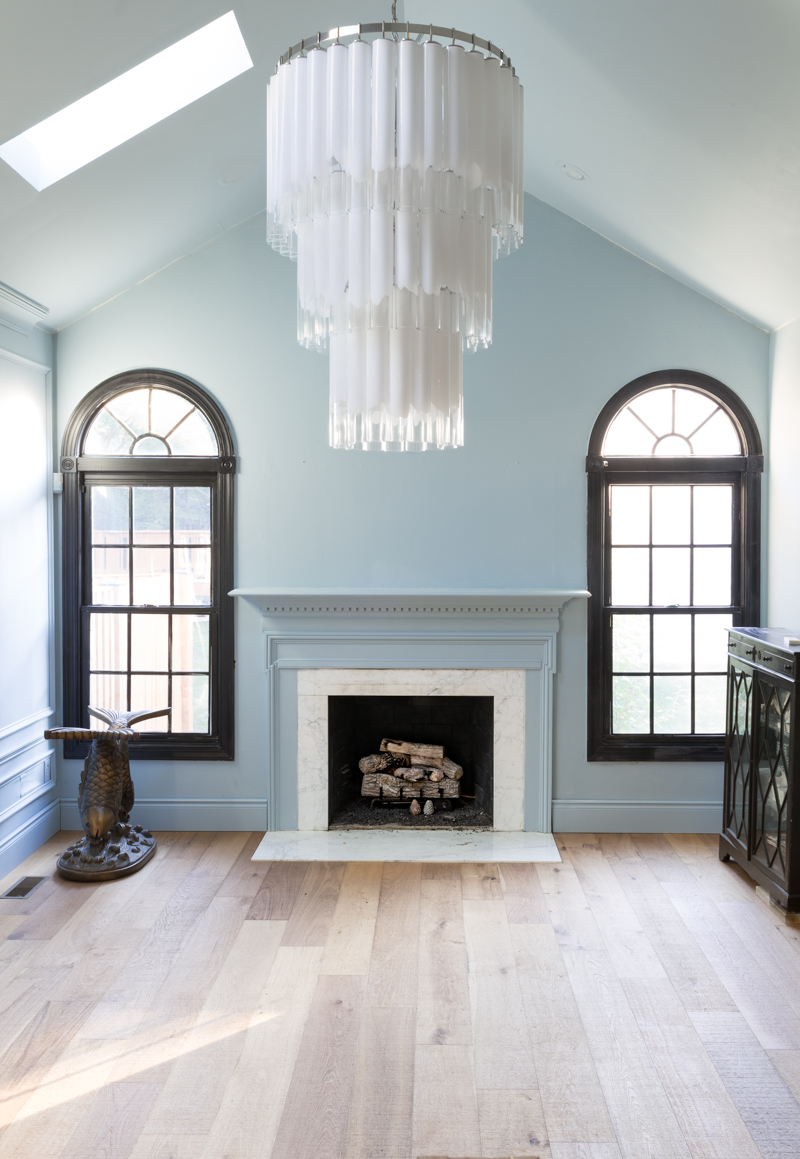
18, 312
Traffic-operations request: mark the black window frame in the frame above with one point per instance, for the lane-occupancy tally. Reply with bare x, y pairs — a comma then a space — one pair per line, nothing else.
744, 472
80, 472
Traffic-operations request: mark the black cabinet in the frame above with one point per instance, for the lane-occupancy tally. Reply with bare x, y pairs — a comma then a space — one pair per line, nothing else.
760, 810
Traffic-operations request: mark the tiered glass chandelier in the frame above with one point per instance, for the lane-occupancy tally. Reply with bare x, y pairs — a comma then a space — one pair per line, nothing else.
394, 178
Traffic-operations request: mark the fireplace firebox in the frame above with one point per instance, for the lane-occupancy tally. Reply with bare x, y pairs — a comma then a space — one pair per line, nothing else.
464, 725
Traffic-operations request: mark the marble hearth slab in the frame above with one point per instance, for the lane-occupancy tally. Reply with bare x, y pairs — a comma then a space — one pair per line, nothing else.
406, 845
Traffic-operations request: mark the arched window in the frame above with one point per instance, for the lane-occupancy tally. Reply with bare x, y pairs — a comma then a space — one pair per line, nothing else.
674, 470
148, 465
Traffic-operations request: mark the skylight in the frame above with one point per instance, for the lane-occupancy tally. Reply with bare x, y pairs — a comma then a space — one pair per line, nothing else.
129, 104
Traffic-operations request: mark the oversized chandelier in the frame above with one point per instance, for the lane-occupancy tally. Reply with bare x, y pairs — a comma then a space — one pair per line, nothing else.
394, 178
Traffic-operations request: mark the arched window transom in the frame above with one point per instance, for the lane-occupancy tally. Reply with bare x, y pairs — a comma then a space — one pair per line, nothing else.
150, 421
672, 420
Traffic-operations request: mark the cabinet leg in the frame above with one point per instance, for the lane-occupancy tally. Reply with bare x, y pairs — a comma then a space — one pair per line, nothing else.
724, 856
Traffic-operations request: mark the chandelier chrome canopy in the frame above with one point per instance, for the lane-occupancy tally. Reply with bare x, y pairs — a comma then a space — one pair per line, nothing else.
394, 178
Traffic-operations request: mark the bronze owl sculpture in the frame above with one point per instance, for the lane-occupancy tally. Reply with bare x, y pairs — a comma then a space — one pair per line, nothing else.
112, 847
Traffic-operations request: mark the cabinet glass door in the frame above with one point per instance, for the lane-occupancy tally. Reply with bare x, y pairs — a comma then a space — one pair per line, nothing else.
772, 776
740, 691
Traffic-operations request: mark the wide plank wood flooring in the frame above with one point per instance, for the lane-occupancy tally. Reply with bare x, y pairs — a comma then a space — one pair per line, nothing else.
636, 1001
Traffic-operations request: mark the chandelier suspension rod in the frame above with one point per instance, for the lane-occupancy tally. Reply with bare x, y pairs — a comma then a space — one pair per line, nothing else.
333, 35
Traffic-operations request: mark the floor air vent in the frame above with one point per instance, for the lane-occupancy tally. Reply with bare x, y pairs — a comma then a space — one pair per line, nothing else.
24, 887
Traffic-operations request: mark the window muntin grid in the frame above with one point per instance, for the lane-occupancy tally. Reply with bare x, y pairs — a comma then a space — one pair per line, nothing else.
151, 551
672, 420
670, 571
150, 420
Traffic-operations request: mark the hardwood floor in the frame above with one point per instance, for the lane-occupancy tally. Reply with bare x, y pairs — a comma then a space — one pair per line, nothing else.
636, 1001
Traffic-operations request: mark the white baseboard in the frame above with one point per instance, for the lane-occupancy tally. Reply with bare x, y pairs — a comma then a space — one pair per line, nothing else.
637, 816
27, 837
181, 814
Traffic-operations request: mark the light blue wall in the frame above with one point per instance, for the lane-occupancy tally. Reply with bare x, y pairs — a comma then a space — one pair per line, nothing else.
575, 319
784, 478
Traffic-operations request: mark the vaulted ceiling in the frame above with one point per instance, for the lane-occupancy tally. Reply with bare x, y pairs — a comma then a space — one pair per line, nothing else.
684, 115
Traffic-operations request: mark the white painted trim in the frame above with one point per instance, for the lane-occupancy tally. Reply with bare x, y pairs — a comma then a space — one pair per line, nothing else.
636, 816
19, 312
34, 795
11, 767
12, 356
26, 721
177, 814
27, 837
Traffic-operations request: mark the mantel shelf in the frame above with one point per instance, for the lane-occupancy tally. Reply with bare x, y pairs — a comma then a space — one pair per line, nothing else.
404, 601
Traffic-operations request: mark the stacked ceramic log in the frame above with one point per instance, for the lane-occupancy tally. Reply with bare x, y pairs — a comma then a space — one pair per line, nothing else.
406, 770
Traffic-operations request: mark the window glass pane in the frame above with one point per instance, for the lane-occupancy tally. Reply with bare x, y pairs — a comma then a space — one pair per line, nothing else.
167, 410
190, 704
192, 514
654, 407
709, 703
717, 437
712, 514
149, 643
670, 575
630, 514
630, 709
672, 704
151, 515
712, 575
107, 691
192, 575
108, 641
691, 410
106, 436
151, 575
673, 445
110, 575
672, 643
150, 445
628, 436
711, 642
631, 642
190, 643
149, 692
131, 409
671, 514
193, 436
110, 514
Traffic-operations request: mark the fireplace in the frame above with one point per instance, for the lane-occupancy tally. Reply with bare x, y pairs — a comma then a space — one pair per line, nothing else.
464, 725
322, 645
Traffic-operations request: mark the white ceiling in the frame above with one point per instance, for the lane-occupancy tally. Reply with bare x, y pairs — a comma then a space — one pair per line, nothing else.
685, 114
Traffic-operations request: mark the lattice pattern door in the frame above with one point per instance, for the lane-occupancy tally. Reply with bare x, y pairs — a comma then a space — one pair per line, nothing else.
772, 776
740, 691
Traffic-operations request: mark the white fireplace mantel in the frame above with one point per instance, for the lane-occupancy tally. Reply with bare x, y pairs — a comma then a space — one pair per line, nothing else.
408, 639
409, 601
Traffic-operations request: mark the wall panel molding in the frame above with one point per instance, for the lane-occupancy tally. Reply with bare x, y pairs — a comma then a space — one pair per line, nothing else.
28, 835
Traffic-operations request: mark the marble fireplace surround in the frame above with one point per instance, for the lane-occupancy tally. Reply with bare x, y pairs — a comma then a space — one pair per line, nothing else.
408, 643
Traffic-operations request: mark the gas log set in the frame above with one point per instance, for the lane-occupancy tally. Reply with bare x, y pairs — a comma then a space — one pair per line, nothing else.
405, 771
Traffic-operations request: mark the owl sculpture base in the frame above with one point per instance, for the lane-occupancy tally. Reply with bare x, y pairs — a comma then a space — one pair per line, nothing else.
112, 846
